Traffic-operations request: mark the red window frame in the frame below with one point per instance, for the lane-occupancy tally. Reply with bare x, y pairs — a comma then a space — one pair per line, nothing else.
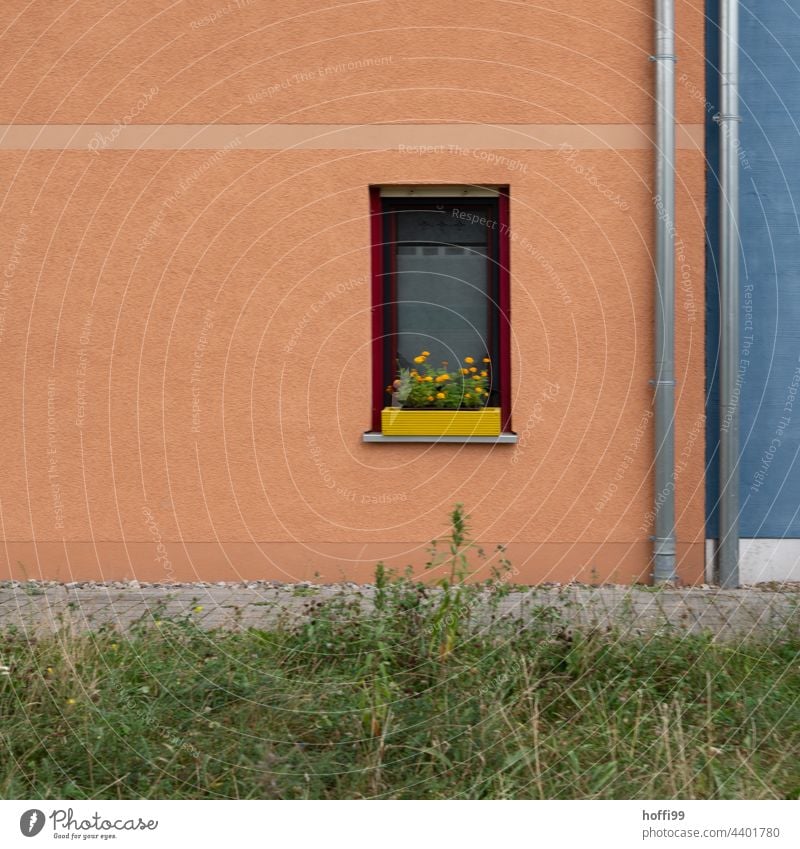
502, 317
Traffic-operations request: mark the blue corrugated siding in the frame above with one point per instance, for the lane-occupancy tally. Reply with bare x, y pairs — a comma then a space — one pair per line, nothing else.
770, 271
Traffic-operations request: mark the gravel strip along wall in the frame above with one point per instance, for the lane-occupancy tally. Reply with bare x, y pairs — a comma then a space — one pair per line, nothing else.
769, 611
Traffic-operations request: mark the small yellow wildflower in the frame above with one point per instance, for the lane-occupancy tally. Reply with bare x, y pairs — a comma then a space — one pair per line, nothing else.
442, 377
467, 395
114, 646
70, 701
198, 608
486, 360
426, 353
468, 360
430, 397
419, 359
484, 374
464, 371
476, 377
440, 395
428, 379
418, 379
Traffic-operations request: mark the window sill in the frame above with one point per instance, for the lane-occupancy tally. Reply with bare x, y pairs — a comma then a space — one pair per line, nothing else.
502, 439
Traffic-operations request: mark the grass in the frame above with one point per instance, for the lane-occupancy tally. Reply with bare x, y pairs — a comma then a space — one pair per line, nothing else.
414, 701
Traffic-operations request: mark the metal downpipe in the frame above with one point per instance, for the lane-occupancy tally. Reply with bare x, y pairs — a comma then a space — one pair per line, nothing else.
728, 118
664, 381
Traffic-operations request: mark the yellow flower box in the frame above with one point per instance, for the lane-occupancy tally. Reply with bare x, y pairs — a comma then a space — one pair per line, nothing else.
396, 421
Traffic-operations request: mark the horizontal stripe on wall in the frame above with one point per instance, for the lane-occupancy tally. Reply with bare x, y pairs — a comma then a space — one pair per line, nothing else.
410, 138
532, 563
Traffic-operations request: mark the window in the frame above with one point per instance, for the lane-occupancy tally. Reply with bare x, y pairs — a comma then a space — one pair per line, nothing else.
440, 285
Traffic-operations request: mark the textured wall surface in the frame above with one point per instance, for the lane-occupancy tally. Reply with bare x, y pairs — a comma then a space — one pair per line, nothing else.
185, 333
253, 61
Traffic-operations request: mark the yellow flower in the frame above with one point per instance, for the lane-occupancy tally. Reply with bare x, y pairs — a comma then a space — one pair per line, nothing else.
426, 353
413, 371
419, 359
114, 646
473, 369
486, 360
70, 701
468, 360
430, 397
464, 371
442, 377
440, 395
467, 395
198, 608
429, 379
484, 374
418, 379
476, 377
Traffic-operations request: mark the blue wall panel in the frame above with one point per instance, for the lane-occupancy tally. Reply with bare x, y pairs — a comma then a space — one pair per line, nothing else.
769, 369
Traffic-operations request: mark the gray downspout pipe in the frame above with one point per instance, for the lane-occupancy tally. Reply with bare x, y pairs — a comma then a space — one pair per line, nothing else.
728, 549
664, 381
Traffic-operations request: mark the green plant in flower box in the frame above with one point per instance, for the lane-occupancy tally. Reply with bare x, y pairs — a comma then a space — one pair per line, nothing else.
465, 387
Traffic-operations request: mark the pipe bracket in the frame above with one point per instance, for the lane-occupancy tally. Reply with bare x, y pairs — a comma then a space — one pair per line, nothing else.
663, 546
719, 118
658, 57
654, 382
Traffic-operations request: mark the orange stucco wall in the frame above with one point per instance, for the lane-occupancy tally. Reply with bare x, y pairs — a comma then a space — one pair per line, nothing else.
185, 333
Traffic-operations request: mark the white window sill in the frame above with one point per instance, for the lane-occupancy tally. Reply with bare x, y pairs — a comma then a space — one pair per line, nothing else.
503, 439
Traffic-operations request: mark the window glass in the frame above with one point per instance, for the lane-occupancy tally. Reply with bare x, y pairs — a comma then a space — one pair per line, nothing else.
442, 286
